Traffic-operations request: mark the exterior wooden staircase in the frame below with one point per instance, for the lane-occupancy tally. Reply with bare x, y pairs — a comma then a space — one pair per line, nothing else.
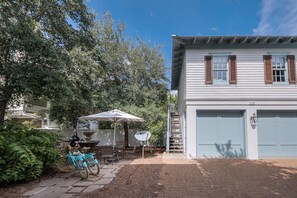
175, 139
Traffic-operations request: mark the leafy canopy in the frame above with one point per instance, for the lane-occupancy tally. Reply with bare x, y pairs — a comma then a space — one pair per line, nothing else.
36, 39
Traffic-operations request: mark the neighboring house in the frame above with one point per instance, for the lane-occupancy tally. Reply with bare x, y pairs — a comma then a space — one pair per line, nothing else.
28, 112
237, 95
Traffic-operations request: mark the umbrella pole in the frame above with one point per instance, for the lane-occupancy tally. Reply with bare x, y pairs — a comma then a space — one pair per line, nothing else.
114, 132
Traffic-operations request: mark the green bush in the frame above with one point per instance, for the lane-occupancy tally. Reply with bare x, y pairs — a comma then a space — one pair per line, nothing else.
26, 152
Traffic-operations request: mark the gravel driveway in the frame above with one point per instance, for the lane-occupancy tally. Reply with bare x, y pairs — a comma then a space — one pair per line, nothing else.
231, 178
171, 177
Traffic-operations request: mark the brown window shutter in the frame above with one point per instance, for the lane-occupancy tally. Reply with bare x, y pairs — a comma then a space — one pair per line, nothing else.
291, 69
232, 70
208, 69
268, 75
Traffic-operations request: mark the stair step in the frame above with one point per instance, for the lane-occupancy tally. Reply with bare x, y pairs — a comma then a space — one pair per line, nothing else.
173, 123
177, 137
175, 151
172, 149
176, 143
176, 147
175, 128
176, 140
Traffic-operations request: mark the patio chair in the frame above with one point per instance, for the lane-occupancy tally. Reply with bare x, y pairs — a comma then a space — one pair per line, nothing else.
109, 154
131, 152
120, 146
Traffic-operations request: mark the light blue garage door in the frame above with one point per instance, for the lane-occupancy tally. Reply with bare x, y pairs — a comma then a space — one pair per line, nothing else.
220, 134
277, 134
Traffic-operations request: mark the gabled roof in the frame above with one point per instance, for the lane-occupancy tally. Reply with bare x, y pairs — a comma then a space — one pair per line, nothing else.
180, 43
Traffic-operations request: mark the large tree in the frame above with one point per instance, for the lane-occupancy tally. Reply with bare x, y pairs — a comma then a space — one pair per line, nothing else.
36, 40
134, 71
134, 77
83, 82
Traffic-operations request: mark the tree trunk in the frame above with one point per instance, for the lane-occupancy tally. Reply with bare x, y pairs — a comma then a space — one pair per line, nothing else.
3, 106
126, 130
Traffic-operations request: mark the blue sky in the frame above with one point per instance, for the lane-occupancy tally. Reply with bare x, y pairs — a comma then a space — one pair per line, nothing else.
155, 21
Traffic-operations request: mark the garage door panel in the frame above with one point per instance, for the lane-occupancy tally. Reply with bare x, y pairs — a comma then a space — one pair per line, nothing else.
288, 150
266, 150
217, 130
288, 136
231, 127
212, 131
287, 130
267, 127
277, 134
206, 150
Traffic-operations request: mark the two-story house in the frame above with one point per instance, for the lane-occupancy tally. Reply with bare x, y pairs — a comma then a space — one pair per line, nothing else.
237, 95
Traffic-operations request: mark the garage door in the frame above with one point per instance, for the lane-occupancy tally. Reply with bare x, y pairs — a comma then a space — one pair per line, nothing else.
220, 133
277, 134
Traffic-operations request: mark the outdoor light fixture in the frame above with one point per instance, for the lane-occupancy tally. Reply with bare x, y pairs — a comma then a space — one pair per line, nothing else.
254, 119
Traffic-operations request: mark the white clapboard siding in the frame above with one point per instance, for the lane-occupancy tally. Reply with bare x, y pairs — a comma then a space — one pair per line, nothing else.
250, 77
182, 90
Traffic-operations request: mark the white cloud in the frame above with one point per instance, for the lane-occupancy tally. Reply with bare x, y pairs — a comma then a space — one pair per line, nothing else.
277, 18
215, 29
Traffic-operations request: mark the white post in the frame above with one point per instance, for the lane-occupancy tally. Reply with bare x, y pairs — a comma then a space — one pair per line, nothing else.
114, 132
251, 135
168, 129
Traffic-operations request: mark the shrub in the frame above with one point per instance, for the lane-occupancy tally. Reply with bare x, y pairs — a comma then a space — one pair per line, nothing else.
26, 152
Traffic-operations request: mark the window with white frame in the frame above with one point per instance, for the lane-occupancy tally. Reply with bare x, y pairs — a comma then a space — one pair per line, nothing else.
279, 67
220, 69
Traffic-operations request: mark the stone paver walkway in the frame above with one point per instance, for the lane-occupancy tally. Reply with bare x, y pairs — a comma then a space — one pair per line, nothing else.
67, 185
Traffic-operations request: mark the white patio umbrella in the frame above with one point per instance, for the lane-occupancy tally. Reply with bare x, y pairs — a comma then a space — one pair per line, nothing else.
114, 116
